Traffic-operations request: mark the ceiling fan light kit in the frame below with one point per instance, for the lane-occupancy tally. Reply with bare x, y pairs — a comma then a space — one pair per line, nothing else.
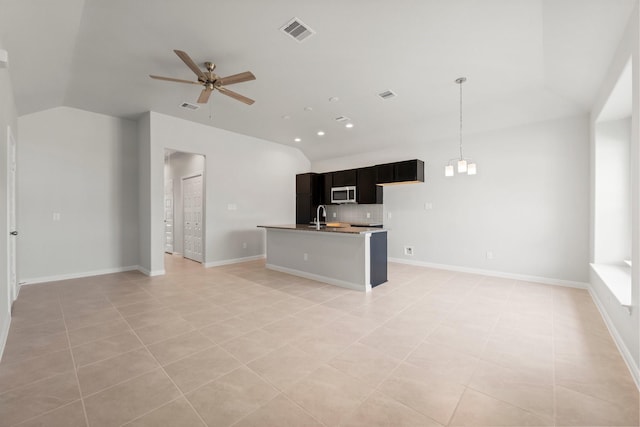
211, 81
464, 165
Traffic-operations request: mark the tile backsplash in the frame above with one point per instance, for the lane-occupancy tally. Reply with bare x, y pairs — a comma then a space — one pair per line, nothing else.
356, 214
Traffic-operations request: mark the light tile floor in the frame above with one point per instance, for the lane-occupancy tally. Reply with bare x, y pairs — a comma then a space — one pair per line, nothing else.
244, 346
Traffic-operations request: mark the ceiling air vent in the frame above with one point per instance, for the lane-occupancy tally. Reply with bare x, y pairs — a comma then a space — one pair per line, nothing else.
189, 106
297, 29
387, 94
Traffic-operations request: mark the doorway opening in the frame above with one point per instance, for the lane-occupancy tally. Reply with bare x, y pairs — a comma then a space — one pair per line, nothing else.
184, 205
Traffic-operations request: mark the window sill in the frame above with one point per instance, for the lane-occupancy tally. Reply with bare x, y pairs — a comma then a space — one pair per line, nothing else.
618, 279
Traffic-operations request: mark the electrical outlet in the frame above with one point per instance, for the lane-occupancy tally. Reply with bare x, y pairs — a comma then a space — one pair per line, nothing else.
244, 245
408, 250
368, 214
305, 257
428, 206
389, 215
489, 255
56, 216
334, 214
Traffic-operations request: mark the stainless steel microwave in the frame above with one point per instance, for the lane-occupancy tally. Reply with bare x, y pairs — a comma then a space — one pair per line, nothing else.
343, 194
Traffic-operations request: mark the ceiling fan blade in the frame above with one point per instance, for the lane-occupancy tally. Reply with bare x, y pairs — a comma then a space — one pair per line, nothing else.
171, 79
236, 95
237, 78
187, 60
204, 95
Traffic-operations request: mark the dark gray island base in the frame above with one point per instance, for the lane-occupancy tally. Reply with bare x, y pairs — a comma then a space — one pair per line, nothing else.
350, 257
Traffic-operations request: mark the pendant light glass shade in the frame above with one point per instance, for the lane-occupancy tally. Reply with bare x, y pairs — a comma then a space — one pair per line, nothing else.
462, 166
471, 169
448, 170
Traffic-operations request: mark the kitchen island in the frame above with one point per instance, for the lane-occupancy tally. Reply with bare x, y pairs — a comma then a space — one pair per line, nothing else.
350, 257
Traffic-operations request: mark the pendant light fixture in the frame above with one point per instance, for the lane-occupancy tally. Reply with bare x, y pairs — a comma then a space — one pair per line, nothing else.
464, 165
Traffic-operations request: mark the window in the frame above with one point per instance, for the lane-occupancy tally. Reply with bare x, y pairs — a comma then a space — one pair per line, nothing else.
612, 209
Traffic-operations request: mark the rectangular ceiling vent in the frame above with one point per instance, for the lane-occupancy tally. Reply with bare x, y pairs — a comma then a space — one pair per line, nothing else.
297, 29
342, 119
387, 94
189, 106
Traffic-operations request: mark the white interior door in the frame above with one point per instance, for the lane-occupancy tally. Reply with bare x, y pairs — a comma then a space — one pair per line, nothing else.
192, 205
11, 216
168, 216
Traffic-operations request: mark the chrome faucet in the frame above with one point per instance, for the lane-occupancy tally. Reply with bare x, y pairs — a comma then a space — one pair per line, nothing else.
324, 214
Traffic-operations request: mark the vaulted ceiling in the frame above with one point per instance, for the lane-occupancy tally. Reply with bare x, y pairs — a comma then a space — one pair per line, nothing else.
525, 60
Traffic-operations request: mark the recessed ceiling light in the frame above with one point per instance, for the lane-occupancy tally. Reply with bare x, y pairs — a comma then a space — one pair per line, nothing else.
349, 125
334, 99
297, 139
320, 133
286, 117
308, 109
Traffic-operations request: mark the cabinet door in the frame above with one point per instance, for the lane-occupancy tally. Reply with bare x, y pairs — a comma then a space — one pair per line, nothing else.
326, 190
410, 170
303, 209
305, 183
385, 173
345, 178
378, 263
368, 192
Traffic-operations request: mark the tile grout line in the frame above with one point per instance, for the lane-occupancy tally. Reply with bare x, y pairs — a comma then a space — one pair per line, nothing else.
502, 314
73, 361
403, 360
182, 395
529, 411
46, 413
467, 386
280, 392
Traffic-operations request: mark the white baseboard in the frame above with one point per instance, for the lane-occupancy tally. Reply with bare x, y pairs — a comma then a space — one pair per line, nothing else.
493, 273
4, 333
56, 278
624, 351
233, 261
150, 273
317, 277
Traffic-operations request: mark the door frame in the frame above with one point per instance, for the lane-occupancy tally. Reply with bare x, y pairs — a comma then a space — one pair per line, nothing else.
173, 215
203, 219
12, 247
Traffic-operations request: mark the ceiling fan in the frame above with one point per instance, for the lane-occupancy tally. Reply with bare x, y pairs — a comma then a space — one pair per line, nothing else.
211, 81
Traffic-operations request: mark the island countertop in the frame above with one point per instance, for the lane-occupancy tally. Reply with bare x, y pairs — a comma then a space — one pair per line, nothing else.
327, 229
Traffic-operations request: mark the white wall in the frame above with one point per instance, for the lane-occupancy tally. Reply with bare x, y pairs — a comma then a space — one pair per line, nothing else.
254, 175
83, 166
612, 226
528, 204
624, 324
144, 195
181, 165
8, 117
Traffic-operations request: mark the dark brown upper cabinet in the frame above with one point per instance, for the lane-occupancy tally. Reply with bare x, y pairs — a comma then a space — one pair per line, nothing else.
367, 192
327, 182
345, 178
406, 172
308, 196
